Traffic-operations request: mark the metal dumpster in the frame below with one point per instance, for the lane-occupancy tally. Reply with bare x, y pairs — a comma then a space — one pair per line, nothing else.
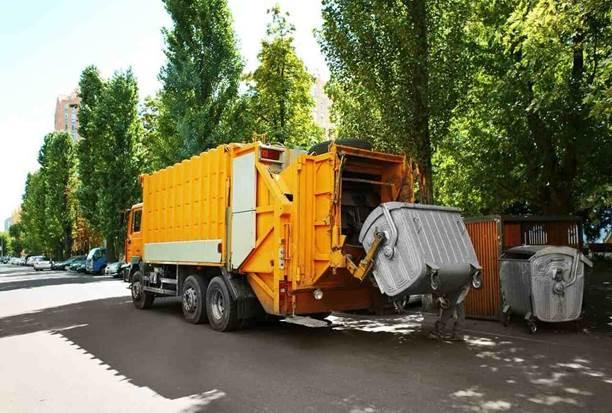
426, 249
542, 283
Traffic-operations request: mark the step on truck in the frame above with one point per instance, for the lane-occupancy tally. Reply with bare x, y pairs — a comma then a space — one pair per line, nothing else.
245, 230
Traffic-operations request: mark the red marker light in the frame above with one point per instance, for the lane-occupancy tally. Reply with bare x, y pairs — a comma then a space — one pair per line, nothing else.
271, 154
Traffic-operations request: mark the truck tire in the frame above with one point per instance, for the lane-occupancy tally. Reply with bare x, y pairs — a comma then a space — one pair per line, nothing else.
220, 307
141, 299
193, 298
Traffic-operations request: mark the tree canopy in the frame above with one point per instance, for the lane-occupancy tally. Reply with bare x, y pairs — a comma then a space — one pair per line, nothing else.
281, 102
397, 69
530, 134
200, 78
110, 153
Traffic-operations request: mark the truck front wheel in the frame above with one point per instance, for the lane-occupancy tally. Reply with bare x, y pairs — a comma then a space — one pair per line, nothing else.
194, 299
141, 299
221, 308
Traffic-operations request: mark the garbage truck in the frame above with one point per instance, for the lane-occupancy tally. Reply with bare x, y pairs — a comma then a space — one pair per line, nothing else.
243, 230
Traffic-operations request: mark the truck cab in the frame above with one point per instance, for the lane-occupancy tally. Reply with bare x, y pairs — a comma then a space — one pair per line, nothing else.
133, 248
96, 261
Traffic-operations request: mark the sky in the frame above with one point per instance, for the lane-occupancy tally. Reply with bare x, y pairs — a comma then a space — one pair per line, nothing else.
44, 46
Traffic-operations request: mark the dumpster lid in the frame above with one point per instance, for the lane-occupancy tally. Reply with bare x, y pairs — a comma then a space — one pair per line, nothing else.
529, 251
523, 251
563, 250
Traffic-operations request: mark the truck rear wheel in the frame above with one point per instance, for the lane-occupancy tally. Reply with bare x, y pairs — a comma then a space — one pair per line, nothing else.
220, 307
194, 299
141, 299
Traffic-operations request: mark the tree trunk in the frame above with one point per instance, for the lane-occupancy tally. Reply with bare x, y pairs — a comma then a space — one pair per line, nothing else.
420, 99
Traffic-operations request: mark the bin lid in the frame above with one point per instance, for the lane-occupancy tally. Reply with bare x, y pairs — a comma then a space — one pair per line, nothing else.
523, 251
528, 251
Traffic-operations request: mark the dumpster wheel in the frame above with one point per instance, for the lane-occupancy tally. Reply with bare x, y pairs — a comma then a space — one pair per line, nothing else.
532, 326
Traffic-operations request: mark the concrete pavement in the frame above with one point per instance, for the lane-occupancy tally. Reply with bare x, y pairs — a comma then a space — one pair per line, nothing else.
102, 354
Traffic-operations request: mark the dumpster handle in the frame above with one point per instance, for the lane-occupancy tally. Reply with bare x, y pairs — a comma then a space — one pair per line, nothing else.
574, 274
389, 248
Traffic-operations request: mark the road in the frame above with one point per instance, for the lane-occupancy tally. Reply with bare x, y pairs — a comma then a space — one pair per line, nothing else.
76, 343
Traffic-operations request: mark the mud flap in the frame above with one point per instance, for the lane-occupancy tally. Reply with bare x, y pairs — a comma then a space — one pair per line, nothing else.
247, 304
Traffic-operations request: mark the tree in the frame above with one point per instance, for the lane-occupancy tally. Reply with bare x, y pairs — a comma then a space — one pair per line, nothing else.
56, 168
16, 233
532, 133
402, 60
200, 79
6, 244
32, 213
281, 103
111, 156
91, 87
119, 157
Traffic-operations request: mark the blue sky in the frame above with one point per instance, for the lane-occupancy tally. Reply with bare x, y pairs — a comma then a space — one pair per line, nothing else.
44, 46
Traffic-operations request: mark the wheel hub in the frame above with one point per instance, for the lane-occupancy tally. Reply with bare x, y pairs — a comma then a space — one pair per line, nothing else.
217, 305
190, 300
136, 290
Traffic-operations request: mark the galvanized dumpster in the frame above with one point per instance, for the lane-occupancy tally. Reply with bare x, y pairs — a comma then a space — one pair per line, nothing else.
426, 249
542, 283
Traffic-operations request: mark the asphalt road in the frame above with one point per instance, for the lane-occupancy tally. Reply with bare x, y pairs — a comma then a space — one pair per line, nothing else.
84, 352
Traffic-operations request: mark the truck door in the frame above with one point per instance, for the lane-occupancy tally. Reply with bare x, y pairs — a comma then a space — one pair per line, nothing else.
134, 239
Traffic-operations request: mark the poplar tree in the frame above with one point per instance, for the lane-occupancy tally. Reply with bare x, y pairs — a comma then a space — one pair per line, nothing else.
200, 79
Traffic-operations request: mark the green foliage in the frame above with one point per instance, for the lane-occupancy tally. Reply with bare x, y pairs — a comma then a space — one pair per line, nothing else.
56, 167
46, 223
158, 149
532, 132
200, 80
279, 103
33, 213
90, 131
6, 242
16, 234
111, 153
397, 68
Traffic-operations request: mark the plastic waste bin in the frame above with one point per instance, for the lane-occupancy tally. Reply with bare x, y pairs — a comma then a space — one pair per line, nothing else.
426, 249
544, 283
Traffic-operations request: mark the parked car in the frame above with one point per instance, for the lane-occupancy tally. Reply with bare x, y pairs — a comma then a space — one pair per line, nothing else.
5, 259
114, 268
64, 265
21, 261
43, 263
14, 261
32, 259
96, 261
78, 265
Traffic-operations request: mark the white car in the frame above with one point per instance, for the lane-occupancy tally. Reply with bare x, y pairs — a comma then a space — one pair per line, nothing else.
42, 263
32, 259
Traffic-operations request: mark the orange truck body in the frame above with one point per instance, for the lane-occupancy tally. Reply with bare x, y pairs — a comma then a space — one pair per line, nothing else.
284, 220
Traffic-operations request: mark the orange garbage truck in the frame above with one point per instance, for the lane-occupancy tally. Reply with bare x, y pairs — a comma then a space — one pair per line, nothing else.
243, 230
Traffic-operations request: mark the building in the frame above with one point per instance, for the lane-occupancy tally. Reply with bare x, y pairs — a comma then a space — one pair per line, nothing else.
13, 219
322, 107
66, 114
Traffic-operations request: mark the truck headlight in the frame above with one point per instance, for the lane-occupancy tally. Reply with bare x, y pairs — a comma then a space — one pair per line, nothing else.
317, 294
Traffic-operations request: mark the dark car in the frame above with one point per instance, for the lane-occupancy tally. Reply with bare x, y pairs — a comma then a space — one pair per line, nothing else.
64, 265
78, 265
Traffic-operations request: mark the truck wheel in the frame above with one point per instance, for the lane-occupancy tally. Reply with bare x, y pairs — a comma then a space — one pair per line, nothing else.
221, 308
194, 299
141, 299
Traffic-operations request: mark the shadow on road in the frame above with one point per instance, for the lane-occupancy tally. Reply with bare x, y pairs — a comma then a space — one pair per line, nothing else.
359, 364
